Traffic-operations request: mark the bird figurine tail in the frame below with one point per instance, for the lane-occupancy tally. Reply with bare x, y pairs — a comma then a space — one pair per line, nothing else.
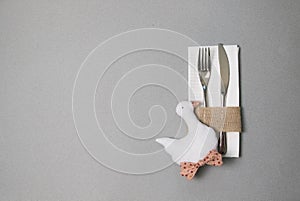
165, 141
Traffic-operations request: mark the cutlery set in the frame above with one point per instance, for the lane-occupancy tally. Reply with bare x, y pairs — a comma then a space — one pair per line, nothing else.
204, 70
212, 106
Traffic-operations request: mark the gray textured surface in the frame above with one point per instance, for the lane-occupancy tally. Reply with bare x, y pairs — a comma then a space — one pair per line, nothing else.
42, 45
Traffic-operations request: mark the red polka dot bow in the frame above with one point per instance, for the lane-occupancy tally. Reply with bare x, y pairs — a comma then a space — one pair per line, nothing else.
189, 169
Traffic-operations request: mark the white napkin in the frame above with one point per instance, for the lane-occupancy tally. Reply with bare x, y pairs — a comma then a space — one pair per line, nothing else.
214, 95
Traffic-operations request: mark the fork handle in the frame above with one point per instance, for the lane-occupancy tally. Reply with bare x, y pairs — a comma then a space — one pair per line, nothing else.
222, 148
205, 103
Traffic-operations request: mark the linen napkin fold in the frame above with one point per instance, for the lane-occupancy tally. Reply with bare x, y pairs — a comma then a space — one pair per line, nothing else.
214, 94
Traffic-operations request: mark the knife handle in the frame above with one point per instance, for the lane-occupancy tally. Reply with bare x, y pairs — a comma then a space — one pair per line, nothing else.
222, 146
222, 143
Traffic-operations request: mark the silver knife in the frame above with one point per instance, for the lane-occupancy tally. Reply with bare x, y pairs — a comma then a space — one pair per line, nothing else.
224, 73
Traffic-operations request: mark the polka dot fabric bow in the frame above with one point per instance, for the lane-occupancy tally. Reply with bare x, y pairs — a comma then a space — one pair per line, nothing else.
189, 169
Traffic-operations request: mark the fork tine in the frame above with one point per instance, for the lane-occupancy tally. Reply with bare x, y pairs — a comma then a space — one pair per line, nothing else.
199, 59
209, 67
204, 70
202, 59
205, 59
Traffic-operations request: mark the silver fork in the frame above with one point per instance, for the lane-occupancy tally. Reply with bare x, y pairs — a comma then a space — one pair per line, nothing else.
204, 70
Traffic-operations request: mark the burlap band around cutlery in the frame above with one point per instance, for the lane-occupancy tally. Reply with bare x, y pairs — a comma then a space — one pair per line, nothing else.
227, 119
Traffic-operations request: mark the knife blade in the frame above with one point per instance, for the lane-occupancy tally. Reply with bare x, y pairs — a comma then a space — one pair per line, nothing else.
224, 73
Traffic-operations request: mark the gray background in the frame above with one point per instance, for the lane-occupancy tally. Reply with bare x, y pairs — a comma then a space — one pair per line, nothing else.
42, 44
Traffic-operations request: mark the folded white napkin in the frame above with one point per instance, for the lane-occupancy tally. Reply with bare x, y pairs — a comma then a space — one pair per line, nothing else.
214, 95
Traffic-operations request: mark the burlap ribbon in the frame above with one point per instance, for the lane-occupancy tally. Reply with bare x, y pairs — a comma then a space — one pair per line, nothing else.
227, 119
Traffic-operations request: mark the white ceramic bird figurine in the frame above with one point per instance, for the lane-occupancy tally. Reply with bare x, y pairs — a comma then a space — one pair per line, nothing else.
198, 142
